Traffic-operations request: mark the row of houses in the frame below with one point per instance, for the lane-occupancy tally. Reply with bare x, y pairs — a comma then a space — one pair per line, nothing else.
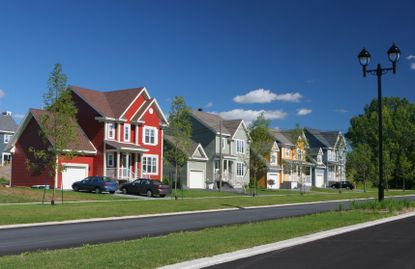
120, 134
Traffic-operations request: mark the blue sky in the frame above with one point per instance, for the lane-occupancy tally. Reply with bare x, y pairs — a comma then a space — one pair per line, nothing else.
299, 56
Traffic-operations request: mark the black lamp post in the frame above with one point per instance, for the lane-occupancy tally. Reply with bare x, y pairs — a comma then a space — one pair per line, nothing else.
364, 58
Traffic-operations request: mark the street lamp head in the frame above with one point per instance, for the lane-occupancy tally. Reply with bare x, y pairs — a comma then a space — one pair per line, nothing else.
364, 57
394, 53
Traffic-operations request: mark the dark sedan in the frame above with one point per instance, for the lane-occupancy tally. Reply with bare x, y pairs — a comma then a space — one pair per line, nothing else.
96, 184
344, 185
147, 187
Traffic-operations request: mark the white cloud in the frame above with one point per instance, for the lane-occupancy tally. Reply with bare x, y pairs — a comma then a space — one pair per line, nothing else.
263, 96
341, 110
2, 93
303, 111
410, 57
413, 66
210, 104
250, 115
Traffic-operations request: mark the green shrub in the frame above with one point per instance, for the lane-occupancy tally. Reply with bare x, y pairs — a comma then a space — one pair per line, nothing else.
388, 204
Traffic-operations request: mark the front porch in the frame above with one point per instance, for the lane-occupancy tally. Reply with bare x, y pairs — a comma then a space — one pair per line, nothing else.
123, 162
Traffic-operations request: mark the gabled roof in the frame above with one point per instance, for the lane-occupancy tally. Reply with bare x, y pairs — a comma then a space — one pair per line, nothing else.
212, 121
319, 138
80, 143
7, 123
189, 151
282, 137
112, 104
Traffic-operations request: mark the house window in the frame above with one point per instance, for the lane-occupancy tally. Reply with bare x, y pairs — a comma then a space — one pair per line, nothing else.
111, 130
127, 132
240, 146
240, 169
299, 154
110, 160
223, 143
149, 164
287, 151
273, 159
319, 158
150, 136
7, 138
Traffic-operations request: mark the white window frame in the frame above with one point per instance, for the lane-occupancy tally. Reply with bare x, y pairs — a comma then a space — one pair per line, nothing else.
7, 138
287, 151
153, 158
127, 138
319, 158
240, 167
112, 159
109, 125
243, 146
223, 142
155, 130
299, 154
275, 162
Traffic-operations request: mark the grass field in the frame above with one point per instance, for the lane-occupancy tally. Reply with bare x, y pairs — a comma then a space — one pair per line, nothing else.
15, 213
178, 247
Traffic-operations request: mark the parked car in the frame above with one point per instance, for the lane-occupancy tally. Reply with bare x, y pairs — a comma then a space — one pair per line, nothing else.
96, 184
148, 187
344, 185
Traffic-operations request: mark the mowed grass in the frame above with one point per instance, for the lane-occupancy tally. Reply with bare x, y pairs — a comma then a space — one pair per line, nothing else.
24, 195
17, 214
178, 247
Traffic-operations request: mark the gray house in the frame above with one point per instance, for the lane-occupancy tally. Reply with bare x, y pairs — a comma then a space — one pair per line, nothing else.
226, 140
193, 175
328, 153
7, 129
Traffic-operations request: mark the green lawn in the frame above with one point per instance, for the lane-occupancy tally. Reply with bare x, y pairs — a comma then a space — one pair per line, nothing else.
23, 195
178, 247
14, 214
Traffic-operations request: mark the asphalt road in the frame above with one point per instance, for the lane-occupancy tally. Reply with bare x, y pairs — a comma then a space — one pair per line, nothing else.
389, 245
18, 240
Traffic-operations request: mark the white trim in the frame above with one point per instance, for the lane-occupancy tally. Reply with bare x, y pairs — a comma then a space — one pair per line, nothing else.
157, 164
89, 152
136, 165
243, 146
196, 170
205, 158
243, 169
108, 128
138, 109
162, 151
155, 135
125, 139
158, 109
9, 136
19, 131
245, 127
108, 154
7, 132
135, 99
136, 134
118, 132
83, 165
103, 119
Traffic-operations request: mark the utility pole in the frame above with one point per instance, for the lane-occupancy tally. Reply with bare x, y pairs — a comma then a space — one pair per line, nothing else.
220, 156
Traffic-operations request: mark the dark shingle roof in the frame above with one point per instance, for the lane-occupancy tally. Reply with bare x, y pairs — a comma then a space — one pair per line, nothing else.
319, 138
283, 137
212, 121
7, 123
110, 104
190, 150
80, 142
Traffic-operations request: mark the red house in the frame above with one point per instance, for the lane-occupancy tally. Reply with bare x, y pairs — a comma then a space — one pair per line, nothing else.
119, 134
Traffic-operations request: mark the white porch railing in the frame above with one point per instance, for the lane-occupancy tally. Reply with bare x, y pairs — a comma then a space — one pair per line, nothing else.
120, 173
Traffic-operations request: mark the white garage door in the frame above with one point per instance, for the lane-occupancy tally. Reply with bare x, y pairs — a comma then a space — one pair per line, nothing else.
73, 173
275, 179
319, 180
196, 180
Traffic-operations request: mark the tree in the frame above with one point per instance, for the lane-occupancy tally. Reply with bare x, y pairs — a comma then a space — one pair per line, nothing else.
181, 129
301, 146
398, 117
260, 147
359, 165
57, 126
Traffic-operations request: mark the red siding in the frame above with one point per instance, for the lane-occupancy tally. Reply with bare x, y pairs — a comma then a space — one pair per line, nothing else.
134, 107
154, 121
21, 176
78, 159
93, 129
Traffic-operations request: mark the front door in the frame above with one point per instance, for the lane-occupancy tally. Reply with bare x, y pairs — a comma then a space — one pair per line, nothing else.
125, 165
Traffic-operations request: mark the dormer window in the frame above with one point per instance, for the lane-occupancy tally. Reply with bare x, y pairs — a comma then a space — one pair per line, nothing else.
319, 158
150, 135
240, 146
287, 151
127, 132
110, 130
299, 154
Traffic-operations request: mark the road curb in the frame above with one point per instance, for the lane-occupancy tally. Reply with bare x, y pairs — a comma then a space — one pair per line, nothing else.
38, 224
258, 250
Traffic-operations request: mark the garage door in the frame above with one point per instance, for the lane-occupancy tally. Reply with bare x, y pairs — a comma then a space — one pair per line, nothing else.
275, 179
73, 173
319, 180
196, 180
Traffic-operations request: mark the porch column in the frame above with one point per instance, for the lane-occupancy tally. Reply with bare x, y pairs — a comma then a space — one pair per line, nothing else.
136, 165
118, 164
